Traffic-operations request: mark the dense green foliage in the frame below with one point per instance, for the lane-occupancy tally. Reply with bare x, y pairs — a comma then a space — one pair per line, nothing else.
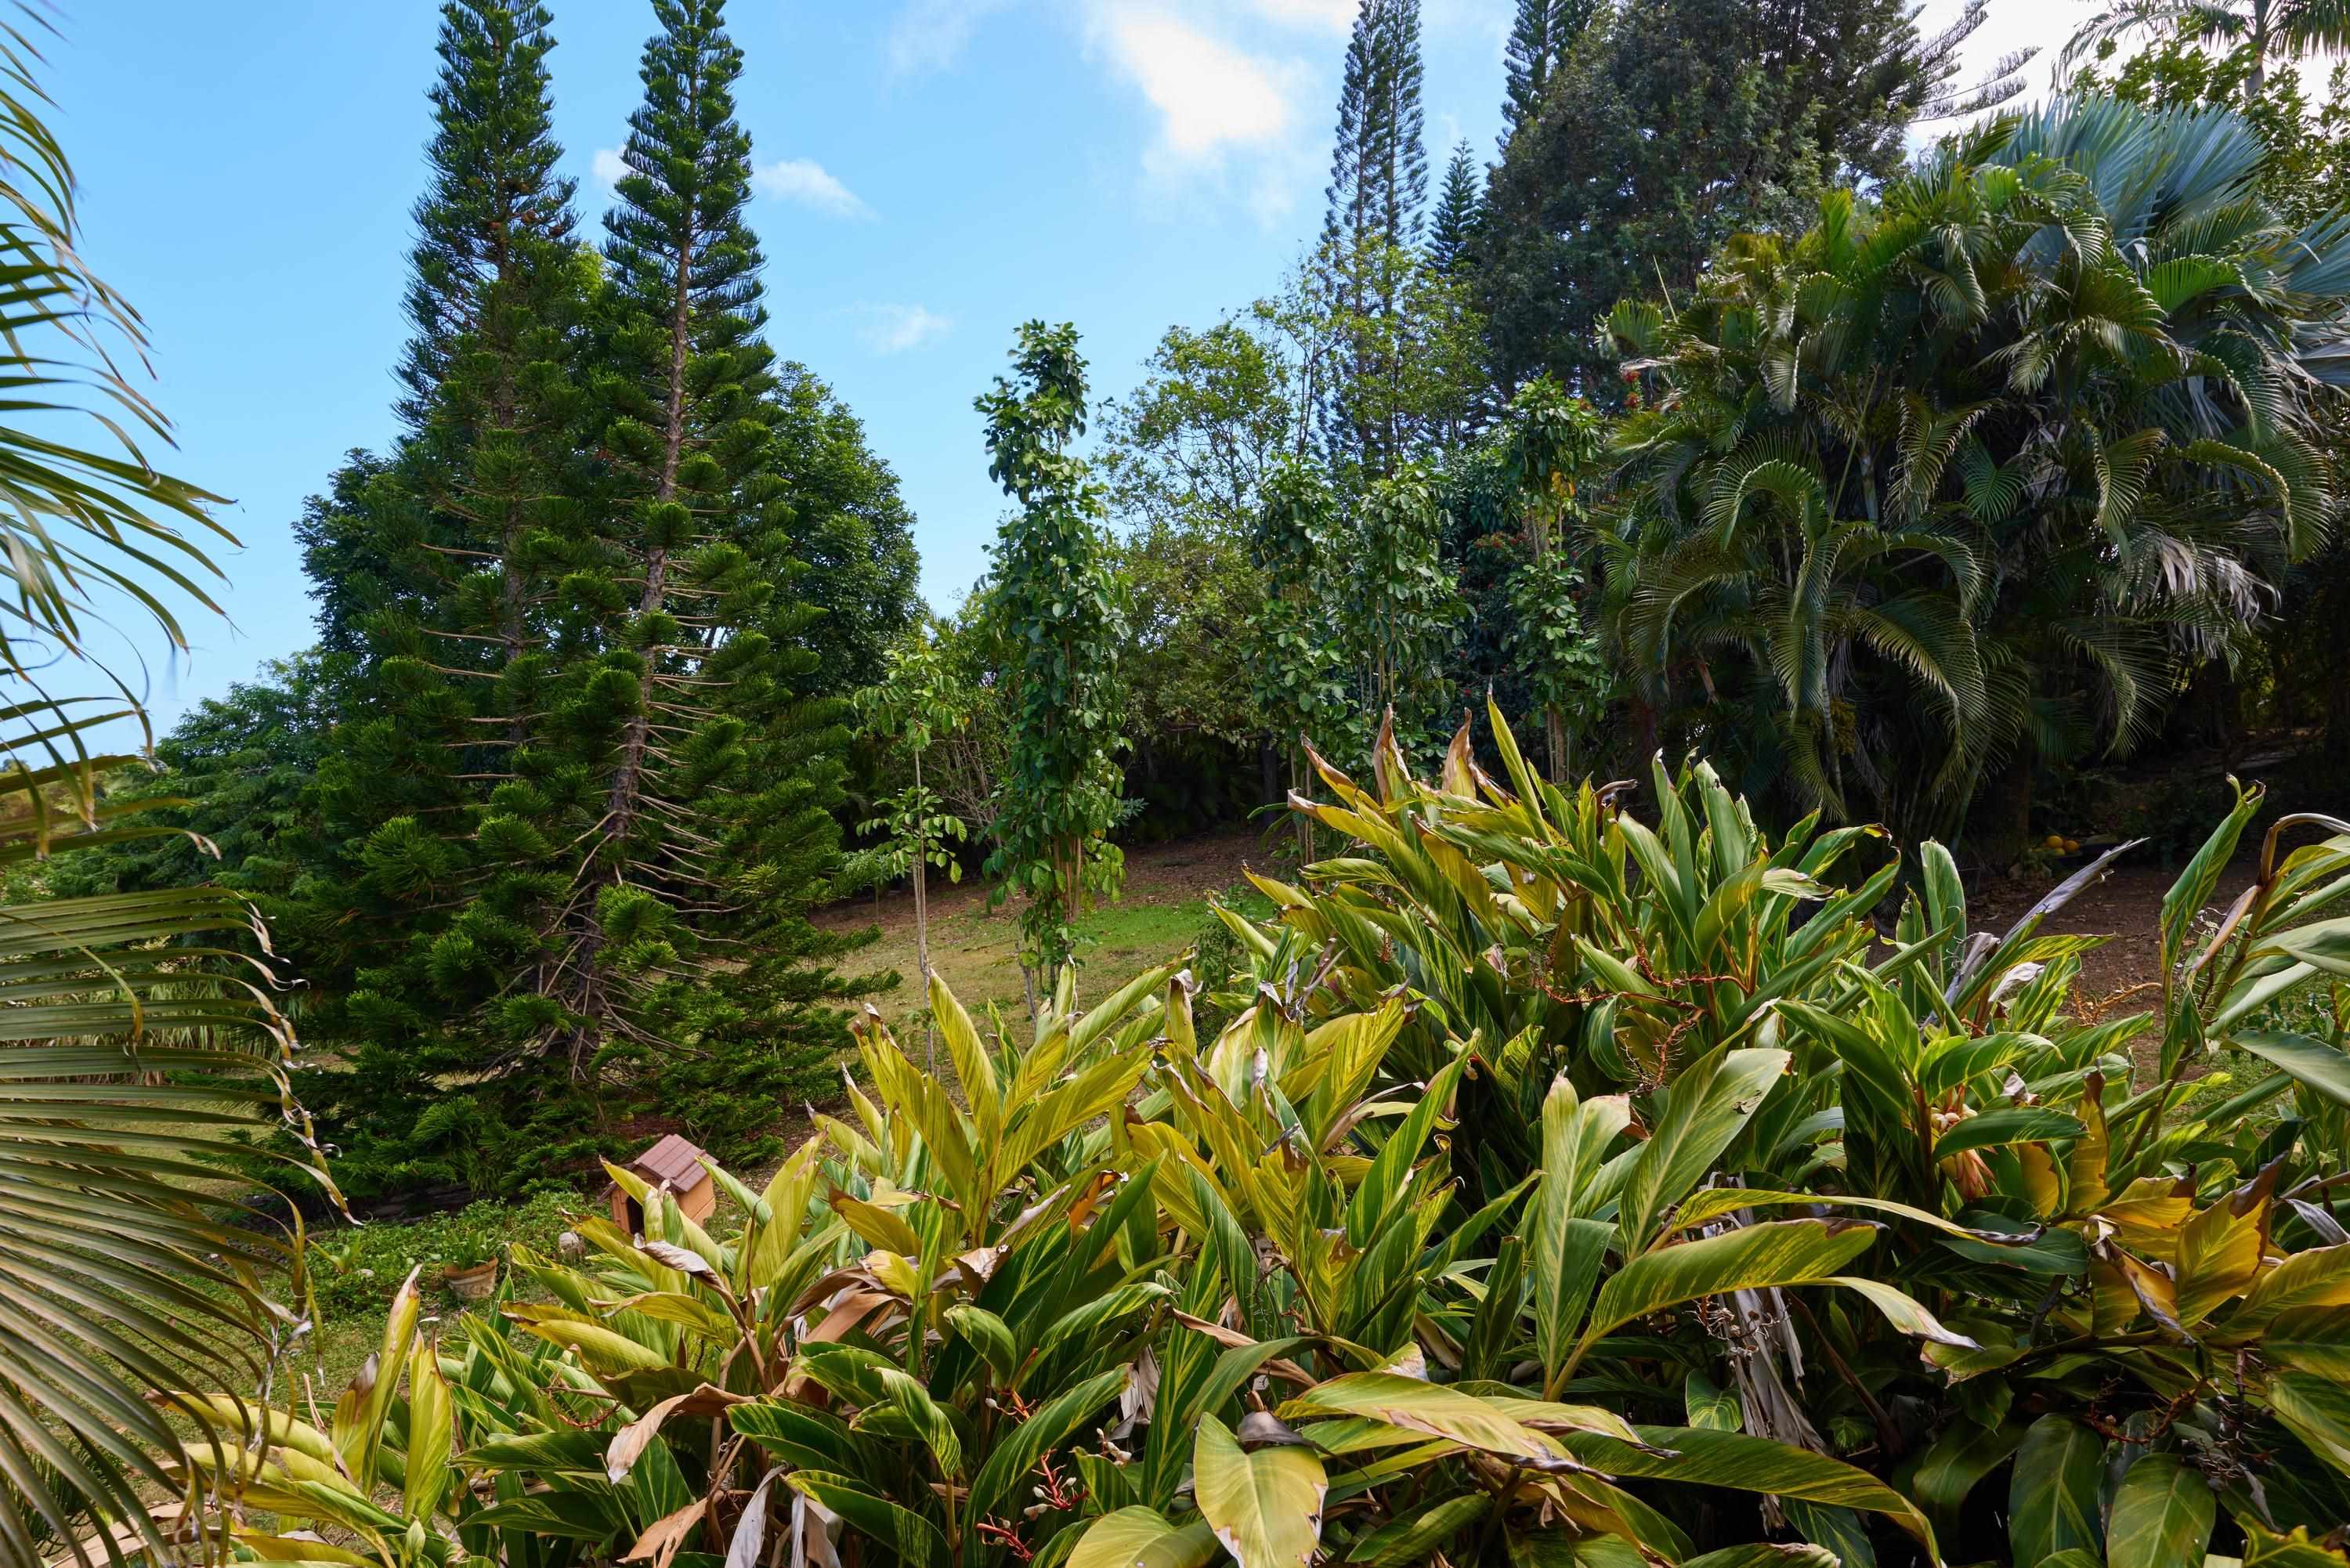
1671, 1171
1956, 484
1667, 130
542, 823
1541, 37
1687, 1222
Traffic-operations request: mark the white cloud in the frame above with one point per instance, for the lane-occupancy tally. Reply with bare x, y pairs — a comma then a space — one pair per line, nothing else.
930, 34
810, 185
895, 328
1210, 95
607, 167
1229, 119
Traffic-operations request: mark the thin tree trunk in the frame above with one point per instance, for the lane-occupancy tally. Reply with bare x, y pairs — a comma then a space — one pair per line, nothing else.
1644, 729
1304, 823
2011, 809
1556, 725
923, 921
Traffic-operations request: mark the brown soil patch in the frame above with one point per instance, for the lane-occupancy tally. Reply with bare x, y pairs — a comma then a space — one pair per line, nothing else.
2125, 908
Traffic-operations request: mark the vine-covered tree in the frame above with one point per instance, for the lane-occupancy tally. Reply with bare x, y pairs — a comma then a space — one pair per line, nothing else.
915, 703
1401, 612
1551, 443
1063, 610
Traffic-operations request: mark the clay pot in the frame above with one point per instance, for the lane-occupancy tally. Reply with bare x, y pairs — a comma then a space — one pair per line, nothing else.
472, 1285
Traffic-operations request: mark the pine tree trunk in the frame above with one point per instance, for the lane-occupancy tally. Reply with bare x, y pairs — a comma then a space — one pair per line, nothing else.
627, 794
627, 781
512, 611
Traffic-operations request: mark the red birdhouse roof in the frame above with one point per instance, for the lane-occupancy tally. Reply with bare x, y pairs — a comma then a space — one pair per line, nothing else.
673, 1163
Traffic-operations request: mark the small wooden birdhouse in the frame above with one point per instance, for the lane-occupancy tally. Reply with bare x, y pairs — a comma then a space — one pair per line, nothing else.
672, 1167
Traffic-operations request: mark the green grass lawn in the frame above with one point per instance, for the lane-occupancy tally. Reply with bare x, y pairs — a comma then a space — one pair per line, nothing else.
1166, 909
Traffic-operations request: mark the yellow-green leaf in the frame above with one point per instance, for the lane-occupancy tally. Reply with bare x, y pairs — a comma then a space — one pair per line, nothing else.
2052, 1503
884, 1228
1704, 1458
2317, 1412
360, 1413
2310, 1339
925, 1416
1903, 1311
2265, 1549
1266, 1506
2319, 1277
1767, 1554
601, 1349
2220, 1253
2316, 1064
975, 1069
1778, 1252
1711, 1405
431, 1431
1417, 1406
2162, 1516
1142, 1538
1708, 1105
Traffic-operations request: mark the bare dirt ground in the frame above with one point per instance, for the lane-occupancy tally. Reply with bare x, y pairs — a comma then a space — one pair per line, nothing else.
2125, 908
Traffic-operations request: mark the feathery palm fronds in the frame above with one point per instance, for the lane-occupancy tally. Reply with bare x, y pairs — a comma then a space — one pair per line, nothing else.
1972, 471
137, 1040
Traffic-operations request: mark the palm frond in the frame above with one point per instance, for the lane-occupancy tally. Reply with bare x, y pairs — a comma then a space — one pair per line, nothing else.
140, 1044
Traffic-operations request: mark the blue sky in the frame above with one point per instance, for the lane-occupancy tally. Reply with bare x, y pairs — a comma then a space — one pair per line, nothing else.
932, 173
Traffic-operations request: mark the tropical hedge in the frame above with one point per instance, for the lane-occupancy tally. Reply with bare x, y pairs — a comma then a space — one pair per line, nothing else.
1582, 1178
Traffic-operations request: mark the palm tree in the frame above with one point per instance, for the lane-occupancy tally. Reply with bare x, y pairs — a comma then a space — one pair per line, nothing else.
138, 1039
1966, 479
2280, 30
